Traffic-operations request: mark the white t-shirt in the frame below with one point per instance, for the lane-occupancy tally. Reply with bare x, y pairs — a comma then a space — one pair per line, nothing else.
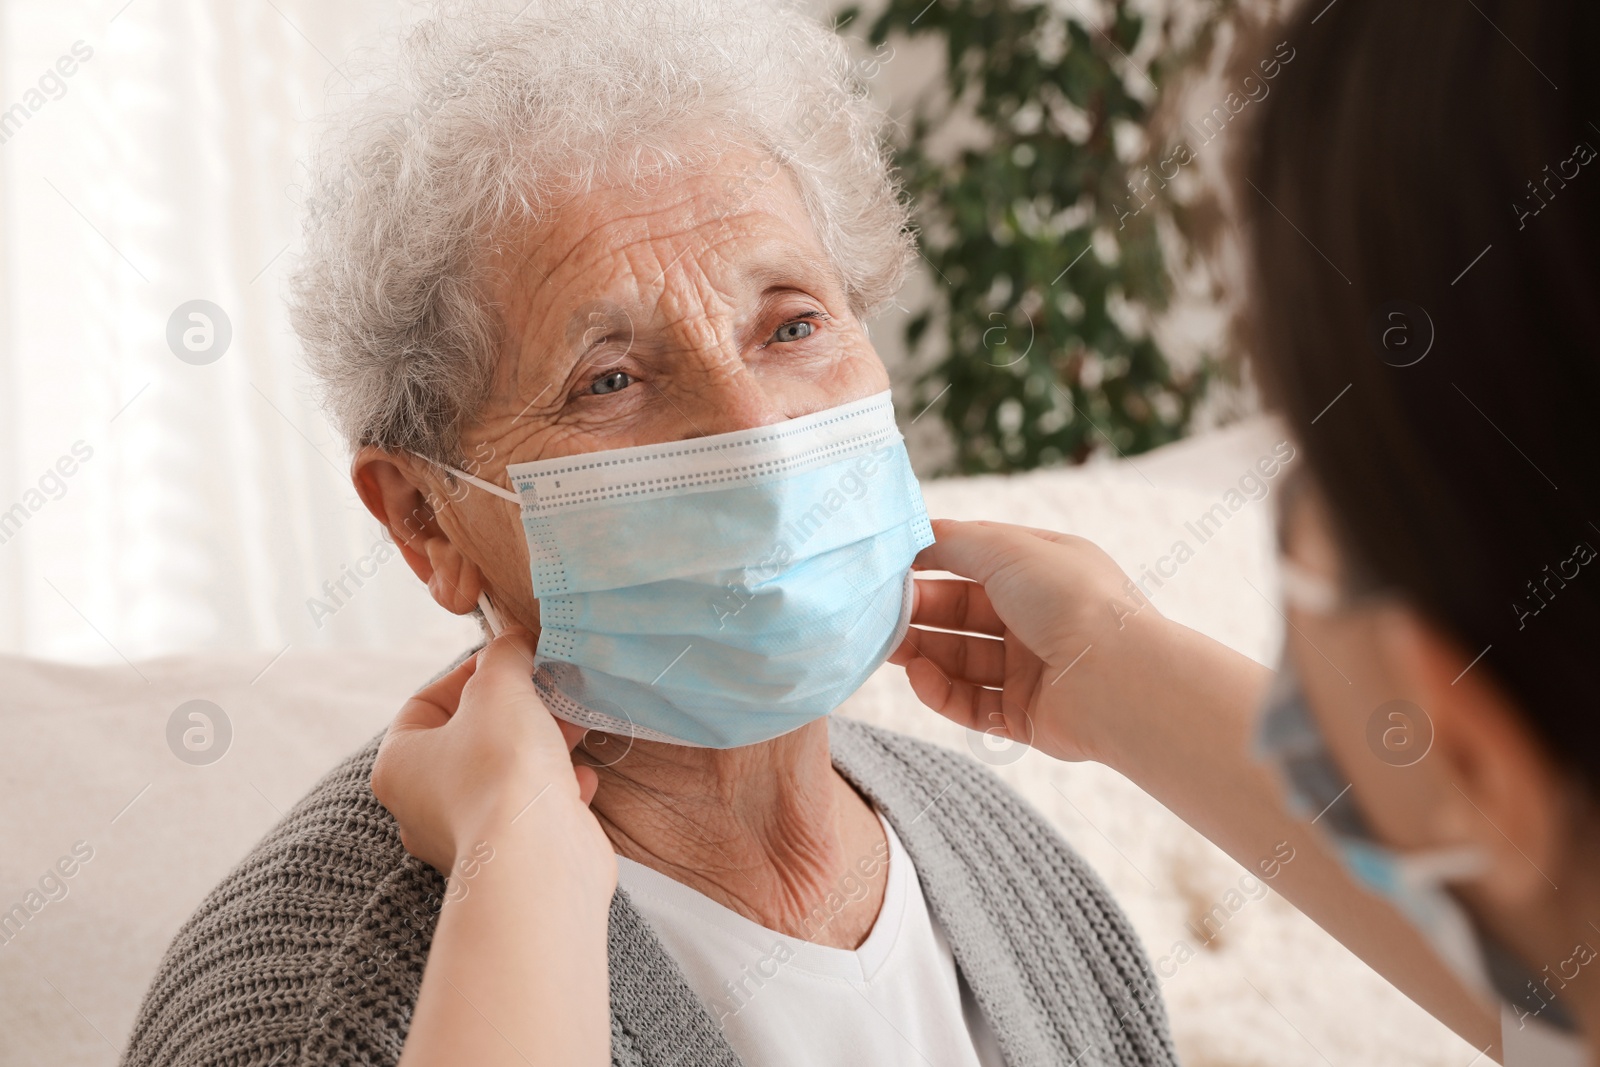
783, 1002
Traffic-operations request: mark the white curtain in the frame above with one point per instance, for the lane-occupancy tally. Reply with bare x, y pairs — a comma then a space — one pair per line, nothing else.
150, 155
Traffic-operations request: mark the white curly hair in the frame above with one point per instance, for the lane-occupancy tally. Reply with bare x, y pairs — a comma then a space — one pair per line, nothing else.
491, 117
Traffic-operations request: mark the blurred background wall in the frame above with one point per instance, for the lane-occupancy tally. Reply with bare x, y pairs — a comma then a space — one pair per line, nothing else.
209, 501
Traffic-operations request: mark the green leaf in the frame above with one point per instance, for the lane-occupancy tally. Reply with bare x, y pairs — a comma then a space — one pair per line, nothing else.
1038, 370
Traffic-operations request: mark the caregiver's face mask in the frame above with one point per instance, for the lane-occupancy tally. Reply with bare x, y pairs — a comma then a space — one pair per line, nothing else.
723, 590
1534, 1030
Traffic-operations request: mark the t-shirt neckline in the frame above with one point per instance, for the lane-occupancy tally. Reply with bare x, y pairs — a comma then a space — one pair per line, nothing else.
860, 964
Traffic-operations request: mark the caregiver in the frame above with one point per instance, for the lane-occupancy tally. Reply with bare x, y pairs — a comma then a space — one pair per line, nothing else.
1423, 244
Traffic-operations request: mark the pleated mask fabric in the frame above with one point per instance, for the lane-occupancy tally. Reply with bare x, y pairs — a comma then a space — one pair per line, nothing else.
724, 590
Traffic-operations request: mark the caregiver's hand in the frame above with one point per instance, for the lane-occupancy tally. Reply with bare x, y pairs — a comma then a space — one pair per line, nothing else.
1056, 651
473, 749
1051, 638
480, 778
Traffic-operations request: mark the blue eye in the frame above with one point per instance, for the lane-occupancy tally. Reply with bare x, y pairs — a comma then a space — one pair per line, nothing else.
794, 331
611, 383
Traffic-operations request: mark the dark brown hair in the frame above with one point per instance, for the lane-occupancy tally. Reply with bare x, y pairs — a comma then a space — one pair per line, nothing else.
1423, 182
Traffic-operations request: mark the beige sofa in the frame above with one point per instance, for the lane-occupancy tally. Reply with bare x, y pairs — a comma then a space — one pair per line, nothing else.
91, 786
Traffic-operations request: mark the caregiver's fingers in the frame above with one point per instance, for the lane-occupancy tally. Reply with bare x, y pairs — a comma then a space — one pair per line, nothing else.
505, 664
955, 604
981, 660
508, 659
506, 673
959, 701
588, 781
976, 550
433, 704
1037, 531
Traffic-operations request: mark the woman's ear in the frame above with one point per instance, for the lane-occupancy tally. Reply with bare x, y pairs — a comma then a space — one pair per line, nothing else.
1504, 786
395, 489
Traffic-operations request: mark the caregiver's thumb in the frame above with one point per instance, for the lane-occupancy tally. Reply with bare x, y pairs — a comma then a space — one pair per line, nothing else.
1047, 587
1027, 641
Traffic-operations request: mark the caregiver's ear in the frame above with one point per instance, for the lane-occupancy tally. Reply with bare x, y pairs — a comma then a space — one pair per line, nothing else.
1509, 793
401, 494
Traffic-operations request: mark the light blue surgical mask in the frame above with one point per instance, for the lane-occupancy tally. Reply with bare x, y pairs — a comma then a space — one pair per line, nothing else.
721, 591
1533, 1030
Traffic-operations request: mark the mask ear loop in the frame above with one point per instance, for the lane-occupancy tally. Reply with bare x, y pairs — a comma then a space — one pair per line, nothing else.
485, 605
490, 615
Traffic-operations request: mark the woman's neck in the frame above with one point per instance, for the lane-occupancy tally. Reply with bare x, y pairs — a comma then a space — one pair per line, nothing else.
770, 831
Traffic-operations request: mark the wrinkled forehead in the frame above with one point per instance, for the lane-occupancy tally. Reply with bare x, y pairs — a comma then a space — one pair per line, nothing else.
677, 243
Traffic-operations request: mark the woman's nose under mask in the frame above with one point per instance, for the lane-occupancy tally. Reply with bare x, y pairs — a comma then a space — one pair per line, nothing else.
722, 590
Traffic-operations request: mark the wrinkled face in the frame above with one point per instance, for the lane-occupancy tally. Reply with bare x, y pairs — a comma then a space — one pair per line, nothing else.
702, 307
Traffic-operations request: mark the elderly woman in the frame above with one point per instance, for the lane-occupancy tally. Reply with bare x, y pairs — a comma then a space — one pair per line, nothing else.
604, 267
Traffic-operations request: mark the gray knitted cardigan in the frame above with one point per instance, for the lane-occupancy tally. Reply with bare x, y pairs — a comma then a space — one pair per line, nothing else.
311, 951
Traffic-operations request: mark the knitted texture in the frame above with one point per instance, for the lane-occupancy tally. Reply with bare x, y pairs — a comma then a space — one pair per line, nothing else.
311, 951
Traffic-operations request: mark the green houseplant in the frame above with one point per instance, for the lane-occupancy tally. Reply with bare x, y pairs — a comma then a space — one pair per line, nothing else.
1052, 240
